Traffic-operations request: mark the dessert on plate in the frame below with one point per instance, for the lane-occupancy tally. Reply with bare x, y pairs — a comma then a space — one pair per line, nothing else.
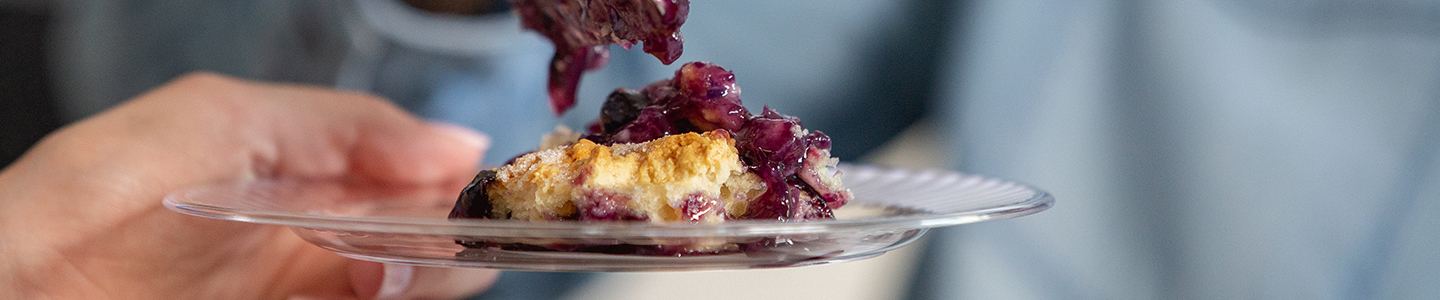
679, 150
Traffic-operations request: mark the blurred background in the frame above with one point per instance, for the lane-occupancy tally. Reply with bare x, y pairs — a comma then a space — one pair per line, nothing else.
1212, 149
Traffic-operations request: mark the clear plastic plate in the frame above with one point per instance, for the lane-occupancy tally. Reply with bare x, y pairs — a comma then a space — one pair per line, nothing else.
891, 208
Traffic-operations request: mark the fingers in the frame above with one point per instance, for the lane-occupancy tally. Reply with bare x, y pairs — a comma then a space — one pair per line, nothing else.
432, 153
321, 133
207, 128
387, 281
96, 185
278, 130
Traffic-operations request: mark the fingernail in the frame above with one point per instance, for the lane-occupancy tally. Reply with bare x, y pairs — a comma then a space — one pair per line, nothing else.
395, 282
467, 136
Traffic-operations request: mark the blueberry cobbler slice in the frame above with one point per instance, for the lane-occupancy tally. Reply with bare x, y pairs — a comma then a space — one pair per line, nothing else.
678, 150
692, 177
581, 30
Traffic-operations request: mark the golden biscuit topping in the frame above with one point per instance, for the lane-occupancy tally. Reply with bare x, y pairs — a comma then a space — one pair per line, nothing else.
683, 177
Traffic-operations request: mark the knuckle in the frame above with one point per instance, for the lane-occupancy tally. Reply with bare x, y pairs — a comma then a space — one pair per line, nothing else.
204, 96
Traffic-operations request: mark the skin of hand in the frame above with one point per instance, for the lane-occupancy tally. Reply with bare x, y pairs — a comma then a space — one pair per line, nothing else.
81, 213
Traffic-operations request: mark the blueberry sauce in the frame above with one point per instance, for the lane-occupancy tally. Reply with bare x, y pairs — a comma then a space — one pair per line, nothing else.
473, 202
794, 163
581, 30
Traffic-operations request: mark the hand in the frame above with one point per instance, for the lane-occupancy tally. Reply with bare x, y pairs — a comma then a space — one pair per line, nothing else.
80, 213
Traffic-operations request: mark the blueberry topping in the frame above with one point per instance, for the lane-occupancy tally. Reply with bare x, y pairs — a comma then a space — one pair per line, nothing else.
794, 163
581, 30
653, 122
621, 108
713, 98
474, 203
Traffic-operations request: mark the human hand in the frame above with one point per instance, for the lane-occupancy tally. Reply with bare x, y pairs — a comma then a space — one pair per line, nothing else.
81, 217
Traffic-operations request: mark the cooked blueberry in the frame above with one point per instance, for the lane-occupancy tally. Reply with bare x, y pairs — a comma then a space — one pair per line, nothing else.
667, 48
621, 107
473, 201
819, 172
706, 80
714, 113
660, 92
651, 123
581, 30
594, 127
565, 73
696, 206
772, 141
606, 206
771, 205
712, 97
818, 139
808, 206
